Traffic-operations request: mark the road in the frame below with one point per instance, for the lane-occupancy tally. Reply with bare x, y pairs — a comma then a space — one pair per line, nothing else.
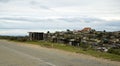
20, 54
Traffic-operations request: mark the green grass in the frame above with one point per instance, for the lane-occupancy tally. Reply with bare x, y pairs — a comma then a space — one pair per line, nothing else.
104, 55
64, 47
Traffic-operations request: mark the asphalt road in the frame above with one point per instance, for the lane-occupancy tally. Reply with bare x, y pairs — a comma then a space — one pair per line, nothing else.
19, 54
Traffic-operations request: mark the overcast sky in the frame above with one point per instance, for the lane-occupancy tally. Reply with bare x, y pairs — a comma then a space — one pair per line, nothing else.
17, 17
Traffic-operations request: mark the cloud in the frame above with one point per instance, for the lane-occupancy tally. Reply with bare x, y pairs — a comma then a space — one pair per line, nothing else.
81, 19
4, 1
40, 5
42, 15
58, 19
114, 23
19, 19
60, 23
107, 9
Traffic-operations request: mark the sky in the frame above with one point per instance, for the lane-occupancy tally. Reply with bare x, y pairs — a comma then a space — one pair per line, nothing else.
18, 17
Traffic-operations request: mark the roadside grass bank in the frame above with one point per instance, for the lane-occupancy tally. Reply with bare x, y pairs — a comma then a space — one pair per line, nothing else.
69, 48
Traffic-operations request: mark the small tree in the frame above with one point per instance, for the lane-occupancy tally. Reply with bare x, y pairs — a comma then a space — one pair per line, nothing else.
104, 31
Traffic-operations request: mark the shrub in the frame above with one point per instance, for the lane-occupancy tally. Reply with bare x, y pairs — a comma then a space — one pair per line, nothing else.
85, 46
114, 51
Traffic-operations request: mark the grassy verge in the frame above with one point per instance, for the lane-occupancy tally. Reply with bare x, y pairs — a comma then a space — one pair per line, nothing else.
64, 47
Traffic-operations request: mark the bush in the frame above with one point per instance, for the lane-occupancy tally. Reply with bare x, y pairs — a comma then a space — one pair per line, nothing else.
22, 39
84, 46
114, 51
15, 38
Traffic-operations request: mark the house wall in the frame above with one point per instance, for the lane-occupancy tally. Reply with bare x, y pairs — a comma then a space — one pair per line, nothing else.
36, 36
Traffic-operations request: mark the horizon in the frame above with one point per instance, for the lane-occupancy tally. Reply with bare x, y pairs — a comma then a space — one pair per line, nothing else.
17, 17
27, 34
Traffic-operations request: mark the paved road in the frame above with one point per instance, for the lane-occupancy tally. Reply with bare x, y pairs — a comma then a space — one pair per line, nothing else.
19, 54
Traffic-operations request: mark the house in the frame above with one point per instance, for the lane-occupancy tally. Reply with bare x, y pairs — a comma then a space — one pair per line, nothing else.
86, 29
36, 35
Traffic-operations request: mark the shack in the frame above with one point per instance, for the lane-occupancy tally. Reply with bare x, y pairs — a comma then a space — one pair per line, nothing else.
36, 35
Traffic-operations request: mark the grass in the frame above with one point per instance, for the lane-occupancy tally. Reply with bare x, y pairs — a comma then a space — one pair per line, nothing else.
65, 47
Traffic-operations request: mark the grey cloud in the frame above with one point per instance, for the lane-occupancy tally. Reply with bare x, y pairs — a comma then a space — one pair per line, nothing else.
73, 19
25, 19
79, 19
59, 23
62, 3
113, 23
64, 19
69, 19
4, 1
40, 5
13, 28
44, 7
